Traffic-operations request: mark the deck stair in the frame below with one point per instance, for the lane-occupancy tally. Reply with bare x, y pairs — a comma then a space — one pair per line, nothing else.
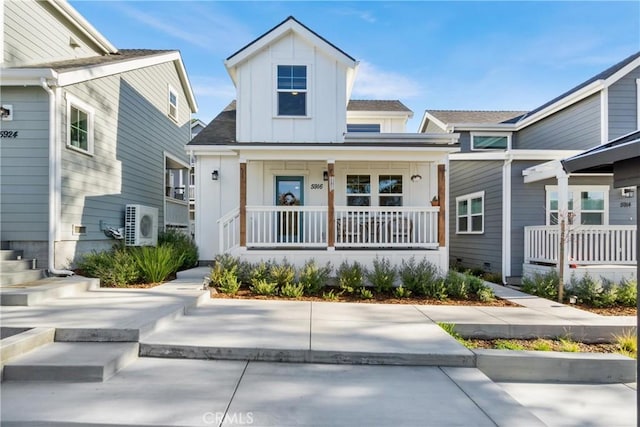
14, 269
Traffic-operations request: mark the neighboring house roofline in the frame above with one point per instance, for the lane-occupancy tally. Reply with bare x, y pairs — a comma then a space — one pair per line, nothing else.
290, 24
69, 76
83, 25
196, 122
515, 155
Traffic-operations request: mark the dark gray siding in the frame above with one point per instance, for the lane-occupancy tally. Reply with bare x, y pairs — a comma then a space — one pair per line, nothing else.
623, 108
474, 250
527, 208
132, 132
465, 141
35, 33
24, 183
574, 128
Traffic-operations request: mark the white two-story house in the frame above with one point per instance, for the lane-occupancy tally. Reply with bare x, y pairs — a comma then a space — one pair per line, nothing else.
294, 168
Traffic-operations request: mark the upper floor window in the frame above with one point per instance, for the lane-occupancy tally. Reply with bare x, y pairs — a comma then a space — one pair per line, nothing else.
372, 127
79, 125
173, 103
481, 141
390, 190
292, 90
470, 213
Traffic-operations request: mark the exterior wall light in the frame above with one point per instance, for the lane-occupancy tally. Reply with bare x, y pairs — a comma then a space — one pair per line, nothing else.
325, 176
215, 175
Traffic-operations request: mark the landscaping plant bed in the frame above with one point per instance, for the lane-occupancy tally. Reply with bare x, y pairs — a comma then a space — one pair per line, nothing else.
537, 344
610, 311
377, 299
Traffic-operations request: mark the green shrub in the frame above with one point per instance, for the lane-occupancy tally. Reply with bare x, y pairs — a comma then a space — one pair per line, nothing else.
283, 274
157, 263
222, 264
476, 284
627, 344
588, 290
259, 272
542, 345
313, 278
383, 275
291, 290
330, 296
568, 345
486, 294
114, 268
401, 292
350, 276
229, 283
183, 244
457, 285
422, 279
627, 294
244, 272
262, 287
608, 295
366, 293
542, 285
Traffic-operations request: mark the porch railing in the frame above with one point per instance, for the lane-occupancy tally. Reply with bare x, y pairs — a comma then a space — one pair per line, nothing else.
281, 226
404, 226
176, 212
593, 244
229, 231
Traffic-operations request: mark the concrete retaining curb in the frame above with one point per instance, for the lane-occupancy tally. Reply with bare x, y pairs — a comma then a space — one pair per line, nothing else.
582, 333
547, 366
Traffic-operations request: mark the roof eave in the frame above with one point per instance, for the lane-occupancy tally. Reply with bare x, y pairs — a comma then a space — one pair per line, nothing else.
27, 76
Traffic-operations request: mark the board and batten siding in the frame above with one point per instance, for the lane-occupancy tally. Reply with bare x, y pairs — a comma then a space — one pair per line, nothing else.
132, 132
577, 127
258, 119
623, 105
35, 33
24, 166
474, 250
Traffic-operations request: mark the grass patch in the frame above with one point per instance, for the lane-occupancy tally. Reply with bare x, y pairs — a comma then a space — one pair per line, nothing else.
627, 344
450, 328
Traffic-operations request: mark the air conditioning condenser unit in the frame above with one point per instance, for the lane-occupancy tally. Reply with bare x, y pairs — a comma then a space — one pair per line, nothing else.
140, 225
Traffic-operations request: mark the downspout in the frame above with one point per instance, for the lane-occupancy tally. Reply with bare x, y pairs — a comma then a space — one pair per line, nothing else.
53, 187
506, 217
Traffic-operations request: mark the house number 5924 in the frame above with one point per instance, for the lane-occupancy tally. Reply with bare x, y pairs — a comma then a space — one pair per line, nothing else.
8, 134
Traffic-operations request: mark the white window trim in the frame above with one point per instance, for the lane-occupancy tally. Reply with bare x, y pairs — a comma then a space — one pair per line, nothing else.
308, 91
375, 194
577, 209
497, 134
80, 105
469, 197
170, 90
401, 195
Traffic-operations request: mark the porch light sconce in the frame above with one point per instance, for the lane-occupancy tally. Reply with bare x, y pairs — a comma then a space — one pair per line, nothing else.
215, 175
627, 192
325, 176
416, 178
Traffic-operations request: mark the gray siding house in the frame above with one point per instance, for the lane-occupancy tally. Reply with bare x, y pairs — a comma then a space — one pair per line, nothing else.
86, 129
508, 189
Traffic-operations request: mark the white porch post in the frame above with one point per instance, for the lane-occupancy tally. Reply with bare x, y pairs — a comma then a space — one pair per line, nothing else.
331, 227
563, 223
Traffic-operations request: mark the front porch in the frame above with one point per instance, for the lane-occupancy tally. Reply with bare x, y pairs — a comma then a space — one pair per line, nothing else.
601, 250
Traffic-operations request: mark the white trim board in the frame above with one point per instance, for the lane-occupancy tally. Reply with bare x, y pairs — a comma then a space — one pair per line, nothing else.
516, 155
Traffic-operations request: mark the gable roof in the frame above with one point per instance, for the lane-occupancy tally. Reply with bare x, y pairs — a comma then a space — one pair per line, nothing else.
73, 71
287, 26
448, 119
377, 105
602, 158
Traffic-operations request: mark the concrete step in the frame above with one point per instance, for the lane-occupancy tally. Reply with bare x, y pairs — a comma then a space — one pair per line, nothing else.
37, 291
8, 254
19, 277
72, 362
16, 265
16, 343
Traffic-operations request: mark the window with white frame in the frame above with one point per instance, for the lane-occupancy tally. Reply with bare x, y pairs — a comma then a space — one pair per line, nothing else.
487, 141
292, 90
587, 205
390, 190
80, 117
470, 213
358, 190
173, 104
363, 127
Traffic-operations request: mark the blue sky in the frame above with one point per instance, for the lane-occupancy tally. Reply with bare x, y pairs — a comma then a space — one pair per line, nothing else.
431, 55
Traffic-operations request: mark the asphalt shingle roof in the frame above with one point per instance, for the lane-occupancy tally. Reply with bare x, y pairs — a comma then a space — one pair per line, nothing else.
376, 105
461, 116
122, 55
221, 130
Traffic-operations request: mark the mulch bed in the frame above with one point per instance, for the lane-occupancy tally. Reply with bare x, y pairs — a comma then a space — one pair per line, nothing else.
610, 311
378, 299
556, 346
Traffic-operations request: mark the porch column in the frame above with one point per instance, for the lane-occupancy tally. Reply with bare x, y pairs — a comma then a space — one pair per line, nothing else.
331, 227
443, 205
563, 225
243, 203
